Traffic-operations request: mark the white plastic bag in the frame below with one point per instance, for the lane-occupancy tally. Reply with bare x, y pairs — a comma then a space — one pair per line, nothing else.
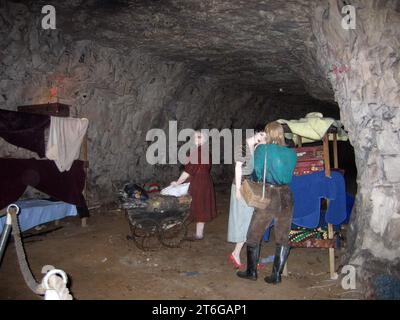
176, 191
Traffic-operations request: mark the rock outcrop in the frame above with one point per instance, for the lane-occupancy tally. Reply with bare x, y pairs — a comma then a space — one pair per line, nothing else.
368, 94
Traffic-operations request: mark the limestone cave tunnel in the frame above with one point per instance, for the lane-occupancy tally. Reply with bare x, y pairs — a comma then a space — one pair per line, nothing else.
131, 66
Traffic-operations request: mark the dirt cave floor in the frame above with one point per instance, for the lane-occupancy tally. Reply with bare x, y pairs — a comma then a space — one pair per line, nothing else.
103, 264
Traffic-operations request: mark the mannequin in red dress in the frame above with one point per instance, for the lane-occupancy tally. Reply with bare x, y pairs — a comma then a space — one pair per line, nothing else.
201, 188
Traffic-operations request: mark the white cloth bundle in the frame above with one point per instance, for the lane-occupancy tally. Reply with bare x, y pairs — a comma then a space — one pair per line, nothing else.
176, 191
65, 139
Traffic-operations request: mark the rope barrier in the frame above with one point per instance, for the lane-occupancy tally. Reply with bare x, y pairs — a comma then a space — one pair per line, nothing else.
54, 283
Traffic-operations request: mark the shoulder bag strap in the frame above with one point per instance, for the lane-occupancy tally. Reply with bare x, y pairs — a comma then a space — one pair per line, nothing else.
265, 173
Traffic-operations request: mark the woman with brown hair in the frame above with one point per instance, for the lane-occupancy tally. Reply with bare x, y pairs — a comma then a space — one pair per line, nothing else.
280, 163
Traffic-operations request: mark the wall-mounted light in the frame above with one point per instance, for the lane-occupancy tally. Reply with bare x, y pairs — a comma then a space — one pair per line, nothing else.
53, 95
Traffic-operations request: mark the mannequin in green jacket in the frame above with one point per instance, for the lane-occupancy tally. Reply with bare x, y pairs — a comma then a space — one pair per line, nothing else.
280, 163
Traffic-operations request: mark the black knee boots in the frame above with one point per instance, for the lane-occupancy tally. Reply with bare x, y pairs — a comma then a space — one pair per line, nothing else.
253, 253
281, 255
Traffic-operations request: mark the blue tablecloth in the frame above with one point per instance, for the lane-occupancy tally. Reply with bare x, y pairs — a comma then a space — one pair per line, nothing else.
36, 212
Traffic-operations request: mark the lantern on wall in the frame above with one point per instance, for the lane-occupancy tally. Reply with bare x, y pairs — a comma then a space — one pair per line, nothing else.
53, 95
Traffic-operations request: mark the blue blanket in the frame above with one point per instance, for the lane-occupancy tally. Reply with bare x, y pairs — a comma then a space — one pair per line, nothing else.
36, 212
308, 191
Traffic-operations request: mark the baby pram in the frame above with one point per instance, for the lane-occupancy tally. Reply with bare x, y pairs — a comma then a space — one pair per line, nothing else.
163, 222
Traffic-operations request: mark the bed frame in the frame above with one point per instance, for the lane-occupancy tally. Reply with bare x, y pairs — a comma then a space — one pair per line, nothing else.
62, 110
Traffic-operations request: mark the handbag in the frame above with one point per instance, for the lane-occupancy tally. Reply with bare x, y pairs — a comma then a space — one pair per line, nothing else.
254, 193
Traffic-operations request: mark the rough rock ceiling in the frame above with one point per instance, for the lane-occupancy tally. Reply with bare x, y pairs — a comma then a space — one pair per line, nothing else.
265, 45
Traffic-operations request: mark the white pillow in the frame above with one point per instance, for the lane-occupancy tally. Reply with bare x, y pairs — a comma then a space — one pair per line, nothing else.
176, 191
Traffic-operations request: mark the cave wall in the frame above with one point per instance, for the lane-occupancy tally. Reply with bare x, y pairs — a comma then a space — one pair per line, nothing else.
368, 94
123, 94
295, 44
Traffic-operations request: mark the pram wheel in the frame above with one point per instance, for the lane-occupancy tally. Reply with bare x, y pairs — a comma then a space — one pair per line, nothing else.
172, 232
146, 234
152, 230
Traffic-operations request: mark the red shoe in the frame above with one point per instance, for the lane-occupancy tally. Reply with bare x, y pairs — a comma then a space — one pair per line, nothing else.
236, 264
260, 266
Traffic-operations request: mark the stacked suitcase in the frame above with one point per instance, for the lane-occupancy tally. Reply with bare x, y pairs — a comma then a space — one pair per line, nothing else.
309, 160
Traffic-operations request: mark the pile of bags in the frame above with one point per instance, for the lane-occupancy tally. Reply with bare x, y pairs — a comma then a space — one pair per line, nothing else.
132, 196
174, 198
166, 203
